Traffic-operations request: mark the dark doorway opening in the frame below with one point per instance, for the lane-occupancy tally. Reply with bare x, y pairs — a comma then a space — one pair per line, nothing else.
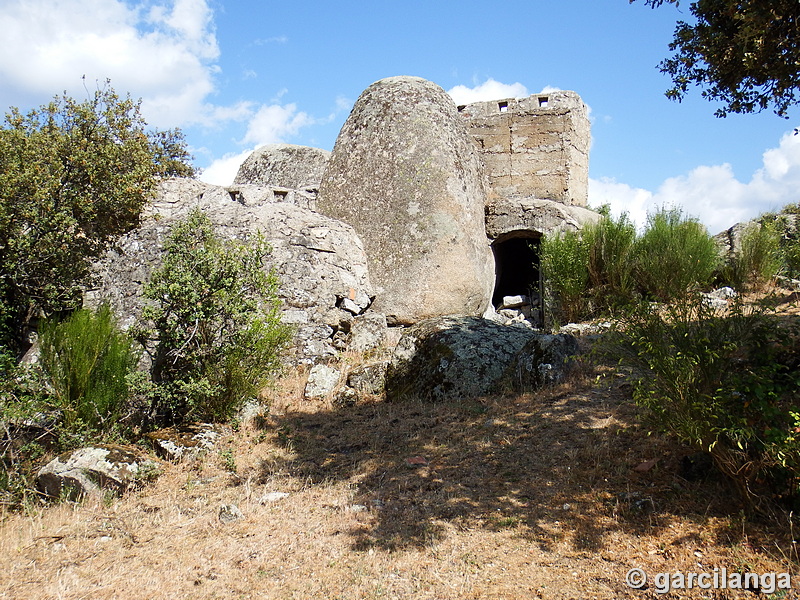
516, 259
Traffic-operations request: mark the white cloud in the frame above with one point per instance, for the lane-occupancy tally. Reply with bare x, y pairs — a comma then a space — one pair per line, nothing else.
223, 170
167, 54
274, 123
488, 90
712, 193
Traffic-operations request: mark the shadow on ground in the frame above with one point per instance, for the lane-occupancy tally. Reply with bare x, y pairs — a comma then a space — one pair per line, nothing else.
557, 466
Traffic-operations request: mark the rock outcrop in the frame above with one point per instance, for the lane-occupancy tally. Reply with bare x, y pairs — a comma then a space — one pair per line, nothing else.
284, 165
450, 358
405, 174
320, 262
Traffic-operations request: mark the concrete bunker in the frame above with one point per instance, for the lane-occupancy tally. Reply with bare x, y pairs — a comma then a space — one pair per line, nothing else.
517, 274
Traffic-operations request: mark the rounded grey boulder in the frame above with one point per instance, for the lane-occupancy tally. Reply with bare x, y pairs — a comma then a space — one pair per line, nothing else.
405, 175
284, 165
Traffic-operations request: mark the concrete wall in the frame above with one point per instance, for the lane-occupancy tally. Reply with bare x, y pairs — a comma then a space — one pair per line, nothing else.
534, 147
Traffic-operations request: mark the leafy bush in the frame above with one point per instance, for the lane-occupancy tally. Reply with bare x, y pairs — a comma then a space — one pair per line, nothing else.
213, 325
757, 261
87, 361
73, 176
726, 385
674, 256
564, 262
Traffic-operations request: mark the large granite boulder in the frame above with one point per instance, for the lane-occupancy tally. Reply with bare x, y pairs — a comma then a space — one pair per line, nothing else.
93, 469
320, 262
284, 165
405, 174
451, 358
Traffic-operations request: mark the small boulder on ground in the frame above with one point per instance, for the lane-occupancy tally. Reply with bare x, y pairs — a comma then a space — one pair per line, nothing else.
469, 357
322, 380
93, 469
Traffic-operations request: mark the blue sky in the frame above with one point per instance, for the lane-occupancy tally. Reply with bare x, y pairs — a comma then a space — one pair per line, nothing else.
236, 75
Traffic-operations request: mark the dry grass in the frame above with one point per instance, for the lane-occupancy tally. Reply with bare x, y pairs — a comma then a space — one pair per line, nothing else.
531, 496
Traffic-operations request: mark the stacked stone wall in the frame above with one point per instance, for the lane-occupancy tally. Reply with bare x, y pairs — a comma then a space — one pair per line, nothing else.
535, 147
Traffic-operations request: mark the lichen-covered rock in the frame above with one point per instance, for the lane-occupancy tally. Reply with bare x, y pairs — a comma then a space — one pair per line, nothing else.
185, 442
542, 360
369, 379
367, 332
322, 380
319, 261
284, 165
467, 357
93, 469
405, 174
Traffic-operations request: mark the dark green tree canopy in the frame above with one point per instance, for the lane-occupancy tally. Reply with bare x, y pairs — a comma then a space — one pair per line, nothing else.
73, 176
743, 53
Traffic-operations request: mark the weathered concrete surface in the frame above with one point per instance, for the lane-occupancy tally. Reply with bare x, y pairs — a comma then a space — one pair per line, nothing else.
320, 262
284, 165
534, 147
405, 174
451, 358
544, 217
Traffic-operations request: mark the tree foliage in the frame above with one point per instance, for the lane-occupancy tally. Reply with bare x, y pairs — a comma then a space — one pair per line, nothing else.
744, 53
73, 176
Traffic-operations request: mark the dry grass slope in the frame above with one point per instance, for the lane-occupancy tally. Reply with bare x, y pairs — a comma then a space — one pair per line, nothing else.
531, 496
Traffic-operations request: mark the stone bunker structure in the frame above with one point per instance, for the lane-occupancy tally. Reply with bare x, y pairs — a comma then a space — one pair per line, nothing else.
423, 210
535, 152
535, 147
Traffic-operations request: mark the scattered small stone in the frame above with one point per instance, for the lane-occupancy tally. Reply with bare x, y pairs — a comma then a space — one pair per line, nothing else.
645, 466
567, 506
644, 505
228, 513
723, 293
356, 508
273, 497
715, 303
515, 301
416, 461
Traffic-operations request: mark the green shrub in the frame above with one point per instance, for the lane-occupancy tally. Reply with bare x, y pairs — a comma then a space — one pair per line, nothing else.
757, 261
610, 260
674, 256
87, 361
726, 385
213, 325
787, 228
564, 262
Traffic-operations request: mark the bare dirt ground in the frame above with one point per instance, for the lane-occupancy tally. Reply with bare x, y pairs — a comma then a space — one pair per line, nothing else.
526, 496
